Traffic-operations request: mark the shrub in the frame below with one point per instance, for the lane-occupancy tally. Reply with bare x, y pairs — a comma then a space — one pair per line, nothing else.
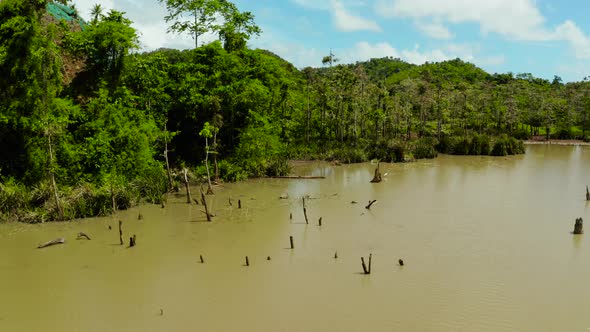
278, 167
231, 172
479, 145
397, 150
424, 148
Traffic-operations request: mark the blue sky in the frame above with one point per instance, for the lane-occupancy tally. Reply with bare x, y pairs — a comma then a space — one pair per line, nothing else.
542, 37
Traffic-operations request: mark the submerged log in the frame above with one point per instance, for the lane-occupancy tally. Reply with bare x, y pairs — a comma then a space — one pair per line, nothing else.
51, 243
377, 176
83, 235
299, 177
579, 226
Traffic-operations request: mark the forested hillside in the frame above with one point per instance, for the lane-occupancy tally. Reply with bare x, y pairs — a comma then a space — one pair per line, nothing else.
89, 125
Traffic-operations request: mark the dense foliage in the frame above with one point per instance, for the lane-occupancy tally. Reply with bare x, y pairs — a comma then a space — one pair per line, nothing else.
88, 125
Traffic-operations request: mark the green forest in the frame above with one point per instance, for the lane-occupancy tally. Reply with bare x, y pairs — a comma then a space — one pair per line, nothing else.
89, 124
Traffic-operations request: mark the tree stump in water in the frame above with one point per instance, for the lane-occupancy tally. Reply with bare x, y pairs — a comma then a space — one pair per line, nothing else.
579, 226
121, 232
132, 241
377, 177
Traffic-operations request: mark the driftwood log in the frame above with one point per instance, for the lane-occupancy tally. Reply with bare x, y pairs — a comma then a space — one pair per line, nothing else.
300, 177
377, 177
51, 243
579, 226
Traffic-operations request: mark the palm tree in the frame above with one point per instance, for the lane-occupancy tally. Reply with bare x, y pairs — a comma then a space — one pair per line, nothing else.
96, 12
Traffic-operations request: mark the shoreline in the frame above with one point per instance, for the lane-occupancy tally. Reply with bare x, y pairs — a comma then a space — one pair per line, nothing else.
557, 142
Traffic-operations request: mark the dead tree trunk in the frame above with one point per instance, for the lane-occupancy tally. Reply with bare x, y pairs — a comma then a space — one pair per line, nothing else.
186, 185
377, 177
204, 201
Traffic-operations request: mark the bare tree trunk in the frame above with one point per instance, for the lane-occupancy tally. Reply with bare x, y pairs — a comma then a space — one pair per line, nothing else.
210, 188
188, 190
215, 158
170, 184
58, 206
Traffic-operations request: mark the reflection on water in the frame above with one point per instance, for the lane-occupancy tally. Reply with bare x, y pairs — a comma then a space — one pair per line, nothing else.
487, 246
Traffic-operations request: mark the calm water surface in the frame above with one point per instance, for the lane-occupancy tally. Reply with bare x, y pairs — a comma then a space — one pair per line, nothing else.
486, 242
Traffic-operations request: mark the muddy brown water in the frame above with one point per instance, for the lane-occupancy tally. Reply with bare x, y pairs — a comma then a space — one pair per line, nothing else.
486, 241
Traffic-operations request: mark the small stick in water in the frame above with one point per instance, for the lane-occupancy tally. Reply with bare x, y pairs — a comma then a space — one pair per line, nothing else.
305, 214
370, 203
140, 216
247, 261
365, 271
239, 204
161, 312
230, 202
291, 241
202, 260
336, 255
268, 258
291, 216
320, 221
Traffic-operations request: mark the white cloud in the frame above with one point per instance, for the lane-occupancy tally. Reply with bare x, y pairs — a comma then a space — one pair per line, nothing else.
434, 30
513, 19
345, 21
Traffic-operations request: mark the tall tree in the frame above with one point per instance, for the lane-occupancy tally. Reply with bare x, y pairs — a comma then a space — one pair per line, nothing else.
196, 17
